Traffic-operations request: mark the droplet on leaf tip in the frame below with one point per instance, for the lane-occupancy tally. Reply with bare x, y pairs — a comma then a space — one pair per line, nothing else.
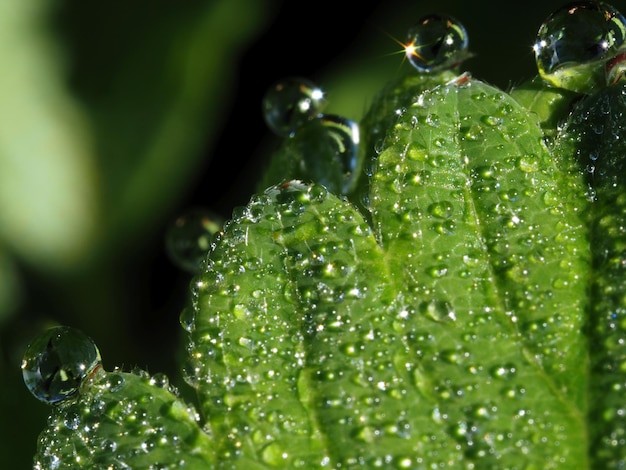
57, 362
576, 44
436, 42
326, 151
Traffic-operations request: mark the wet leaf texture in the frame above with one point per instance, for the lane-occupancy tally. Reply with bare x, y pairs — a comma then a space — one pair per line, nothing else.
446, 334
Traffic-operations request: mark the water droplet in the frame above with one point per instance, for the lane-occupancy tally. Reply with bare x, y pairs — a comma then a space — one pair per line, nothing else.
328, 150
57, 362
492, 121
404, 462
317, 193
436, 42
160, 380
446, 227
438, 310
441, 209
273, 454
114, 382
575, 42
505, 371
437, 271
189, 237
528, 163
289, 103
454, 356
367, 434
516, 391
345, 134
188, 319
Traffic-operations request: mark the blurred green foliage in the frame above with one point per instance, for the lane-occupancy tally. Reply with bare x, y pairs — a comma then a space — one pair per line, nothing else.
116, 115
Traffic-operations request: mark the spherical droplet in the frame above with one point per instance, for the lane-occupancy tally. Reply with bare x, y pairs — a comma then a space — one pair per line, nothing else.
57, 362
189, 237
575, 43
290, 103
327, 150
436, 42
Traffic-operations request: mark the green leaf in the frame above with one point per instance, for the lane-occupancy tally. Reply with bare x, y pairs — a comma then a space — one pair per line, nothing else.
593, 136
285, 308
124, 420
548, 104
312, 332
388, 104
467, 313
466, 175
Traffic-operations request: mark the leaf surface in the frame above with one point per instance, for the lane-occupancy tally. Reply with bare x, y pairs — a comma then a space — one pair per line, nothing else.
593, 138
448, 335
124, 420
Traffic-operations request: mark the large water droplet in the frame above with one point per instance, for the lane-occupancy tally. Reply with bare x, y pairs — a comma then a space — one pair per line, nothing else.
290, 103
575, 42
436, 42
57, 362
189, 237
328, 146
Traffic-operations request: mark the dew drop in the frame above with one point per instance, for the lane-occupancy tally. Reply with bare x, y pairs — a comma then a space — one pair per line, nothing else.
515, 391
187, 319
327, 147
436, 42
454, 356
492, 121
366, 434
437, 271
528, 163
160, 380
289, 103
482, 412
57, 362
404, 462
575, 42
504, 372
345, 134
188, 238
441, 209
317, 193
438, 310
114, 382
446, 227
